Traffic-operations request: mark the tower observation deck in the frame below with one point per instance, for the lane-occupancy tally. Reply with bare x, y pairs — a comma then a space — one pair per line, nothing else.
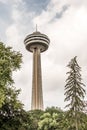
37, 43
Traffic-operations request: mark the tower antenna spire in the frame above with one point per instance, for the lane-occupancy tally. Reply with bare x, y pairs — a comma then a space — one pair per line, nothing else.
36, 27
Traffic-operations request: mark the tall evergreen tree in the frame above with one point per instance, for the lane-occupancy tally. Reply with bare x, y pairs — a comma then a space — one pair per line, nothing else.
74, 92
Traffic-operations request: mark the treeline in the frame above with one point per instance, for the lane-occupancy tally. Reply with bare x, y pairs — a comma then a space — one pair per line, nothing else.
14, 117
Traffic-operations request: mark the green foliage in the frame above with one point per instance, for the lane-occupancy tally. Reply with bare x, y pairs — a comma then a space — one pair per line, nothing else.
9, 62
10, 112
53, 110
48, 121
10, 106
34, 118
52, 119
2, 97
74, 92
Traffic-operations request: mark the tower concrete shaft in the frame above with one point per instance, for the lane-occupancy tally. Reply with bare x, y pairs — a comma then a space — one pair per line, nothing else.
37, 95
37, 43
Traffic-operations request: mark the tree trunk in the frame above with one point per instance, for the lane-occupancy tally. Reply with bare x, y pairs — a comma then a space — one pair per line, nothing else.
76, 125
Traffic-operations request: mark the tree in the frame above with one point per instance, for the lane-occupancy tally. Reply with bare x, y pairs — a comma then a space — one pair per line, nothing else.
34, 119
11, 111
74, 92
10, 106
9, 61
53, 109
48, 122
52, 119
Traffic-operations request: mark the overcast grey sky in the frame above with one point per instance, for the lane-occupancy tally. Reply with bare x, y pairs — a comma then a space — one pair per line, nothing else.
65, 23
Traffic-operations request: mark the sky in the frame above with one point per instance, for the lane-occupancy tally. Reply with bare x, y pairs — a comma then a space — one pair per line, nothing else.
65, 23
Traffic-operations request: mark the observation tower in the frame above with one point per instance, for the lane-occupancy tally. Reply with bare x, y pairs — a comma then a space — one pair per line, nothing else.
37, 43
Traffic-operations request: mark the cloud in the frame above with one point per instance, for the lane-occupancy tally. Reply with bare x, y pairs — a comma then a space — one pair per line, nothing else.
36, 6
21, 21
68, 39
60, 14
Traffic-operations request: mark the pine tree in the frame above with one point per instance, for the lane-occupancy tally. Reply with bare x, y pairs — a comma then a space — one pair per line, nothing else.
74, 92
